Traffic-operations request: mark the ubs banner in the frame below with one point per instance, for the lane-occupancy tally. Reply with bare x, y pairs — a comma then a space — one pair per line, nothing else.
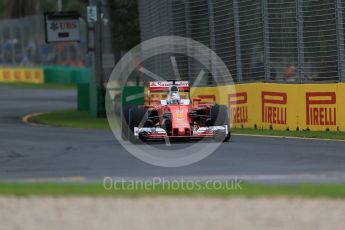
281, 106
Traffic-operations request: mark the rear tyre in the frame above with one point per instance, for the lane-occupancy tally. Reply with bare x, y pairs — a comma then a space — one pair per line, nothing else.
219, 115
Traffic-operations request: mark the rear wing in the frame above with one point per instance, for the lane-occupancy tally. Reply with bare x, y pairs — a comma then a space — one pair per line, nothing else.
164, 85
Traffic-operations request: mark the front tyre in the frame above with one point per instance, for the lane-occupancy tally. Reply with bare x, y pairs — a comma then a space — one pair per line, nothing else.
124, 122
219, 116
136, 116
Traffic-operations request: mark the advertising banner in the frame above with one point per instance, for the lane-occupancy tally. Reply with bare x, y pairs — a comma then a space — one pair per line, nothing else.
316, 107
21, 75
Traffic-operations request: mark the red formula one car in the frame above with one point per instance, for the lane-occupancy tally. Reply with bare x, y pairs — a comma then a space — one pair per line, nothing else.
177, 117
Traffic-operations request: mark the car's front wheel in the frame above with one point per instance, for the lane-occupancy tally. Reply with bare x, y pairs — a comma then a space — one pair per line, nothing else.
219, 116
133, 116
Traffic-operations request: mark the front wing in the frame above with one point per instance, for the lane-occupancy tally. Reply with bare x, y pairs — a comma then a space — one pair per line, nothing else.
152, 133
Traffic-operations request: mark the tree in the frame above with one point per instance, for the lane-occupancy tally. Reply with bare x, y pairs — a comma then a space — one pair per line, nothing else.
125, 24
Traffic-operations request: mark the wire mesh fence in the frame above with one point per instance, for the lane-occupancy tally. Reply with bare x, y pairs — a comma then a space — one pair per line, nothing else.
277, 40
293, 41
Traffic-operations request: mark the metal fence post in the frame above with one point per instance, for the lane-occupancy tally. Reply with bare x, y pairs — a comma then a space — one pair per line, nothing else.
212, 35
340, 40
97, 106
237, 41
189, 35
266, 38
12, 35
300, 39
211, 24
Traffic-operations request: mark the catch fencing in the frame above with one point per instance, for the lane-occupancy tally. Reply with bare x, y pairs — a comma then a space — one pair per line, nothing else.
285, 41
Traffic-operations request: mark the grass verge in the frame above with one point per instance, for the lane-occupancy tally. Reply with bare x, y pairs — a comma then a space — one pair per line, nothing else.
184, 189
57, 86
72, 119
75, 119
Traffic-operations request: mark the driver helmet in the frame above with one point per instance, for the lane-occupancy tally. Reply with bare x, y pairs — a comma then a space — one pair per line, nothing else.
174, 96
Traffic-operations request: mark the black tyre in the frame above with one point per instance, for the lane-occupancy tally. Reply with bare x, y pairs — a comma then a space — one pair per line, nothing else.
219, 115
124, 122
136, 115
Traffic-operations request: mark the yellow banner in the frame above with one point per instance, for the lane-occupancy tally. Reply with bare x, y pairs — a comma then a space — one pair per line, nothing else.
315, 107
22, 75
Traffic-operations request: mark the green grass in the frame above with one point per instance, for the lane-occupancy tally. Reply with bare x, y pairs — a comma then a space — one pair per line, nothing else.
75, 119
57, 86
247, 190
71, 118
306, 134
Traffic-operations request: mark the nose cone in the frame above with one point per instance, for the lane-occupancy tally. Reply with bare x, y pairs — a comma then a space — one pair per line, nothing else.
181, 131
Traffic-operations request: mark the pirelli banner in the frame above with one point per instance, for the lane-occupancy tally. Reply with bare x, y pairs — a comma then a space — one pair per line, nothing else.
22, 75
282, 106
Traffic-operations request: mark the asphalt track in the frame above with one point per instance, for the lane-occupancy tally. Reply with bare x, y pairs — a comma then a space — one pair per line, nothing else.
49, 153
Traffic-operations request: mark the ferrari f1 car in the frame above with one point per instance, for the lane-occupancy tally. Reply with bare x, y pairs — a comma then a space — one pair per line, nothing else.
177, 117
